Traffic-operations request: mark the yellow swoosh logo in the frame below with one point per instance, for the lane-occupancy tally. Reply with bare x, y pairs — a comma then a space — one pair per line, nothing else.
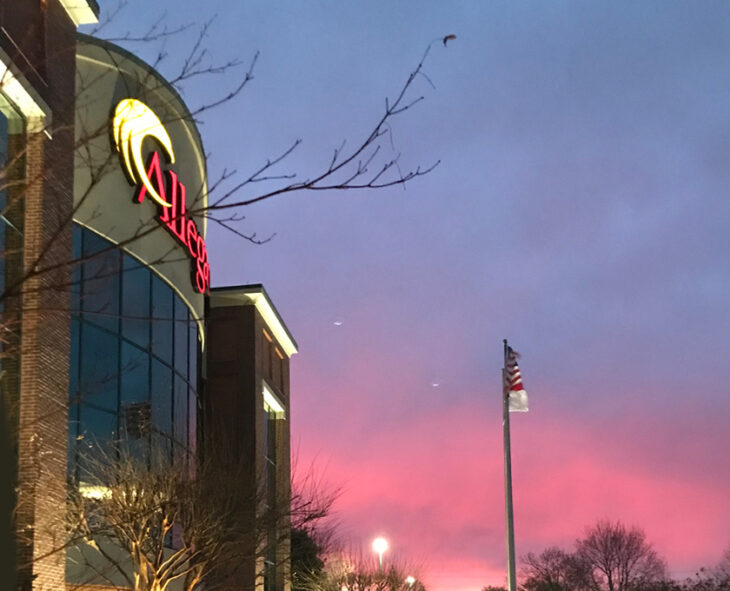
133, 122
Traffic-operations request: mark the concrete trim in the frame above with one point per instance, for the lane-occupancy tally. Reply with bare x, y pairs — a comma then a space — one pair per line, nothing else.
81, 12
22, 94
247, 295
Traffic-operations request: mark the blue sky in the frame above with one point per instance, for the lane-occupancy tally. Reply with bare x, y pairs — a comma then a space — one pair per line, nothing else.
580, 210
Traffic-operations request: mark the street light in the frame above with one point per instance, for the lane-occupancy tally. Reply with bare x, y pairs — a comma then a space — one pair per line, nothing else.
380, 545
410, 580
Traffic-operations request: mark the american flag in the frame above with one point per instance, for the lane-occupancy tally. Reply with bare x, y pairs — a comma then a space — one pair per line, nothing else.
515, 389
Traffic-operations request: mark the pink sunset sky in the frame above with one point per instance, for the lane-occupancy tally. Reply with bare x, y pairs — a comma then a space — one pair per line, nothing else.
580, 209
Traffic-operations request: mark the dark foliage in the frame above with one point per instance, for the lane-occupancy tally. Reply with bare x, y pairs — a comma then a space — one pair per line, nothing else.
306, 558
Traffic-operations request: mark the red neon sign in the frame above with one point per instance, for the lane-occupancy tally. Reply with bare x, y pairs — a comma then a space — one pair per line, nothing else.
183, 229
133, 121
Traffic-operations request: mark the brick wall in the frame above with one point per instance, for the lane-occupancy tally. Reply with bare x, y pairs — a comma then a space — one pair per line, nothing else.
240, 356
45, 49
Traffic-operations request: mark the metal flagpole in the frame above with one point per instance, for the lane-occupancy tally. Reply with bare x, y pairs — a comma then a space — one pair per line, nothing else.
509, 514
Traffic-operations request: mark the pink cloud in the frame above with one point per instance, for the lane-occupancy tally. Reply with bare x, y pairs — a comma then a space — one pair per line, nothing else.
433, 483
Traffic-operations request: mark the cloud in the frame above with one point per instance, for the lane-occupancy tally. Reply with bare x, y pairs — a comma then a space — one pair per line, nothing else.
433, 483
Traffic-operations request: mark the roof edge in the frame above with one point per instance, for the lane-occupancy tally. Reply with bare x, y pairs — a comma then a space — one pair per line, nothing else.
255, 294
81, 12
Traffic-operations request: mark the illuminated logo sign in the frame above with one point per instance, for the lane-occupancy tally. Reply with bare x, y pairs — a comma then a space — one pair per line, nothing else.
133, 122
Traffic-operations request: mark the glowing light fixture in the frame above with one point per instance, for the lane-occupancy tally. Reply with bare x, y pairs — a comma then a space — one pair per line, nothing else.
133, 122
272, 404
94, 491
380, 545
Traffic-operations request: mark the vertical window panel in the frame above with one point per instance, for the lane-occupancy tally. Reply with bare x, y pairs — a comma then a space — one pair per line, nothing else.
134, 357
135, 374
182, 319
100, 295
99, 427
136, 302
99, 430
135, 417
161, 398
193, 345
162, 320
98, 369
192, 420
180, 404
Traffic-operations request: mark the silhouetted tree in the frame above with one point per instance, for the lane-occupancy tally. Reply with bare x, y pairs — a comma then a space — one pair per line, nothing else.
715, 578
722, 570
307, 562
355, 573
613, 557
551, 570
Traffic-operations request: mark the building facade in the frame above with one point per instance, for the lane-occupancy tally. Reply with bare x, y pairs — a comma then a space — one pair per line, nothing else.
247, 414
112, 332
37, 81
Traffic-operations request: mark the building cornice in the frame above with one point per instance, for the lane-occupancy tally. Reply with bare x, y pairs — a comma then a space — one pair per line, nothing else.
255, 295
22, 94
82, 12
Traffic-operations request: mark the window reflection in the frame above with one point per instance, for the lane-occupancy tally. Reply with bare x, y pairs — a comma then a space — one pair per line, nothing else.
134, 356
136, 302
181, 337
180, 405
161, 405
135, 374
100, 298
98, 370
162, 319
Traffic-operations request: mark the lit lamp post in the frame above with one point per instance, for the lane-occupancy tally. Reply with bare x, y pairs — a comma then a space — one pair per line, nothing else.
380, 545
410, 580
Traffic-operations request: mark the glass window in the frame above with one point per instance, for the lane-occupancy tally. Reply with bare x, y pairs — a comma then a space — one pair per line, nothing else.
192, 420
181, 413
135, 428
194, 344
99, 430
99, 426
134, 374
265, 433
136, 302
98, 370
161, 398
100, 297
134, 357
162, 319
135, 399
161, 410
12, 169
182, 319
